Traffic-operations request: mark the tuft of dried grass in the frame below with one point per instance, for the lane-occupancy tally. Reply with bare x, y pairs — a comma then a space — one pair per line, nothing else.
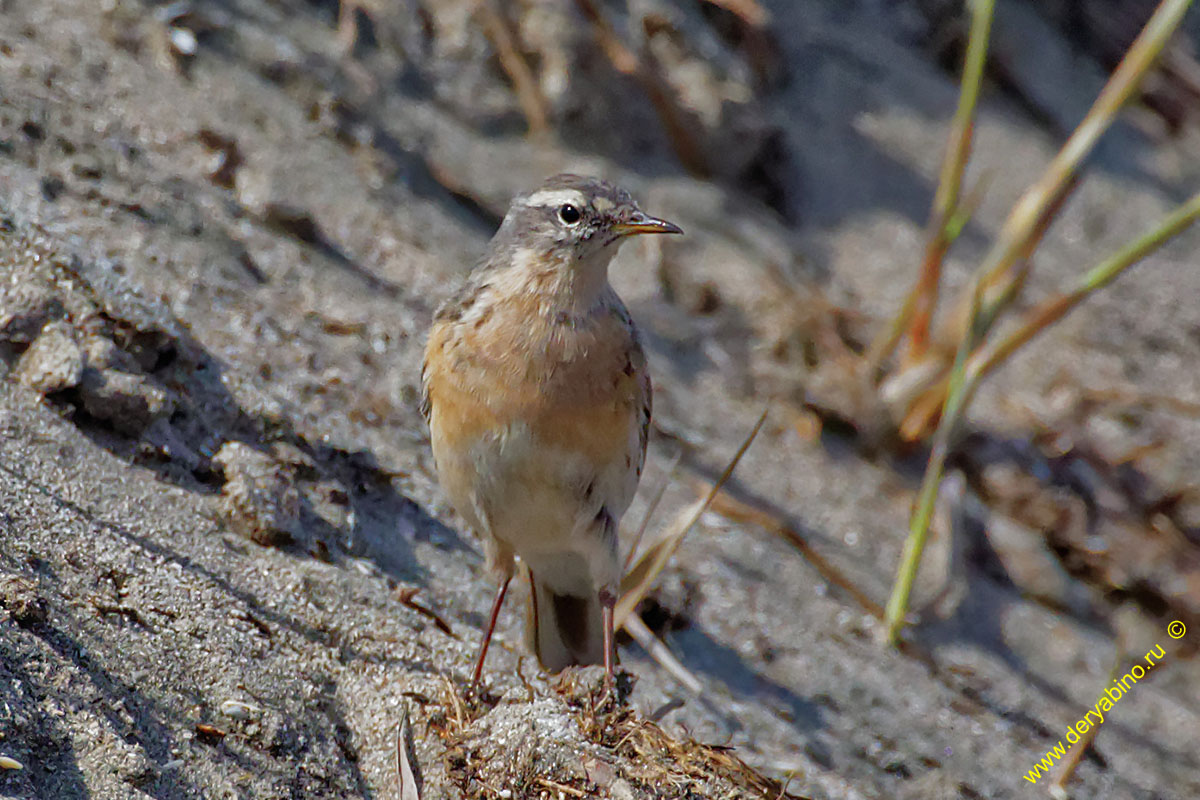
661, 762
622, 748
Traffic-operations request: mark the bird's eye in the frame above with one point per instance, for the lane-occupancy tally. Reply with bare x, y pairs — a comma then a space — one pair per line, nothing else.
569, 214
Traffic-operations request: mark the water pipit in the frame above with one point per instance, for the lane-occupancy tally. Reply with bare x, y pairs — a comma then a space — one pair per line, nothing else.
537, 395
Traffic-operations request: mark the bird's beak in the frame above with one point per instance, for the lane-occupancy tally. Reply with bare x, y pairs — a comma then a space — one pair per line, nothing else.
639, 222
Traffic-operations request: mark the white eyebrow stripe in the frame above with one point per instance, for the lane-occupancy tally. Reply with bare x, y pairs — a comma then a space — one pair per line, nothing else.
555, 197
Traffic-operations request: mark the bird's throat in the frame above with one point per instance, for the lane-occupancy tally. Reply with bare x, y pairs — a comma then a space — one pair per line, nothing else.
567, 286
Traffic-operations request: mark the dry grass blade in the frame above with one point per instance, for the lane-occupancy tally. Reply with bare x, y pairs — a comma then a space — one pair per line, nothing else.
637, 581
460, 713
1127, 399
1080, 748
661, 653
651, 507
407, 597
409, 789
923, 413
739, 511
529, 93
561, 788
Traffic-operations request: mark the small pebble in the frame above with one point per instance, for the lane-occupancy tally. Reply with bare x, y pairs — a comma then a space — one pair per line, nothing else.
259, 499
53, 362
183, 41
129, 402
236, 709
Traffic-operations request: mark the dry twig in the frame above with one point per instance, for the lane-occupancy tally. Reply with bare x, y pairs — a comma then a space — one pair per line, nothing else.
648, 75
407, 597
637, 581
529, 92
662, 654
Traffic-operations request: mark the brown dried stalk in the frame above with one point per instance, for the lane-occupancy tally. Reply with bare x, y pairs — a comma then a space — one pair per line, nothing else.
728, 506
649, 76
529, 93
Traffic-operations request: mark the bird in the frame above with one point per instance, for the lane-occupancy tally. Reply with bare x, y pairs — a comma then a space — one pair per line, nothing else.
538, 399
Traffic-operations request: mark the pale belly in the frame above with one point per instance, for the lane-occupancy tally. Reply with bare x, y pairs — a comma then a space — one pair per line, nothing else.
539, 494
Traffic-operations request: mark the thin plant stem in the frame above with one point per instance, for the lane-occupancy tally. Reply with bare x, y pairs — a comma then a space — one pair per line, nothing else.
970, 370
1050, 311
922, 514
1006, 266
773, 522
636, 580
1036, 208
529, 92
655, 499
659, 651
946, 199
945, 215
929, 393
1080, 748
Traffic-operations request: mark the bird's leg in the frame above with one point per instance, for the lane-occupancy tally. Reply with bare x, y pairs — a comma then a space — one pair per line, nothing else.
607, 601
501, 591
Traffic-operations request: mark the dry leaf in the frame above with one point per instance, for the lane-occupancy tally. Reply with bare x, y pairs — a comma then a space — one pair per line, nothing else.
409, 790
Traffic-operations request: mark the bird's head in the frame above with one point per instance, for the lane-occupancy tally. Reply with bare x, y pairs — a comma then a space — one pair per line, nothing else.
572, 221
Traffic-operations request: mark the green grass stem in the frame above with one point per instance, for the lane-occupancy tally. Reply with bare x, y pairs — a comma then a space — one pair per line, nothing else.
1036, 208
922, 514
1055, 308
946, 217
971, 366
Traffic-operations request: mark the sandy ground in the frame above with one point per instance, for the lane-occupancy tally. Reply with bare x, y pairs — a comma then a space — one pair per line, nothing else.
216, 271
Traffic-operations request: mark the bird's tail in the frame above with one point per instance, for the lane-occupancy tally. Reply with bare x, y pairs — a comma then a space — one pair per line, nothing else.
564, 630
